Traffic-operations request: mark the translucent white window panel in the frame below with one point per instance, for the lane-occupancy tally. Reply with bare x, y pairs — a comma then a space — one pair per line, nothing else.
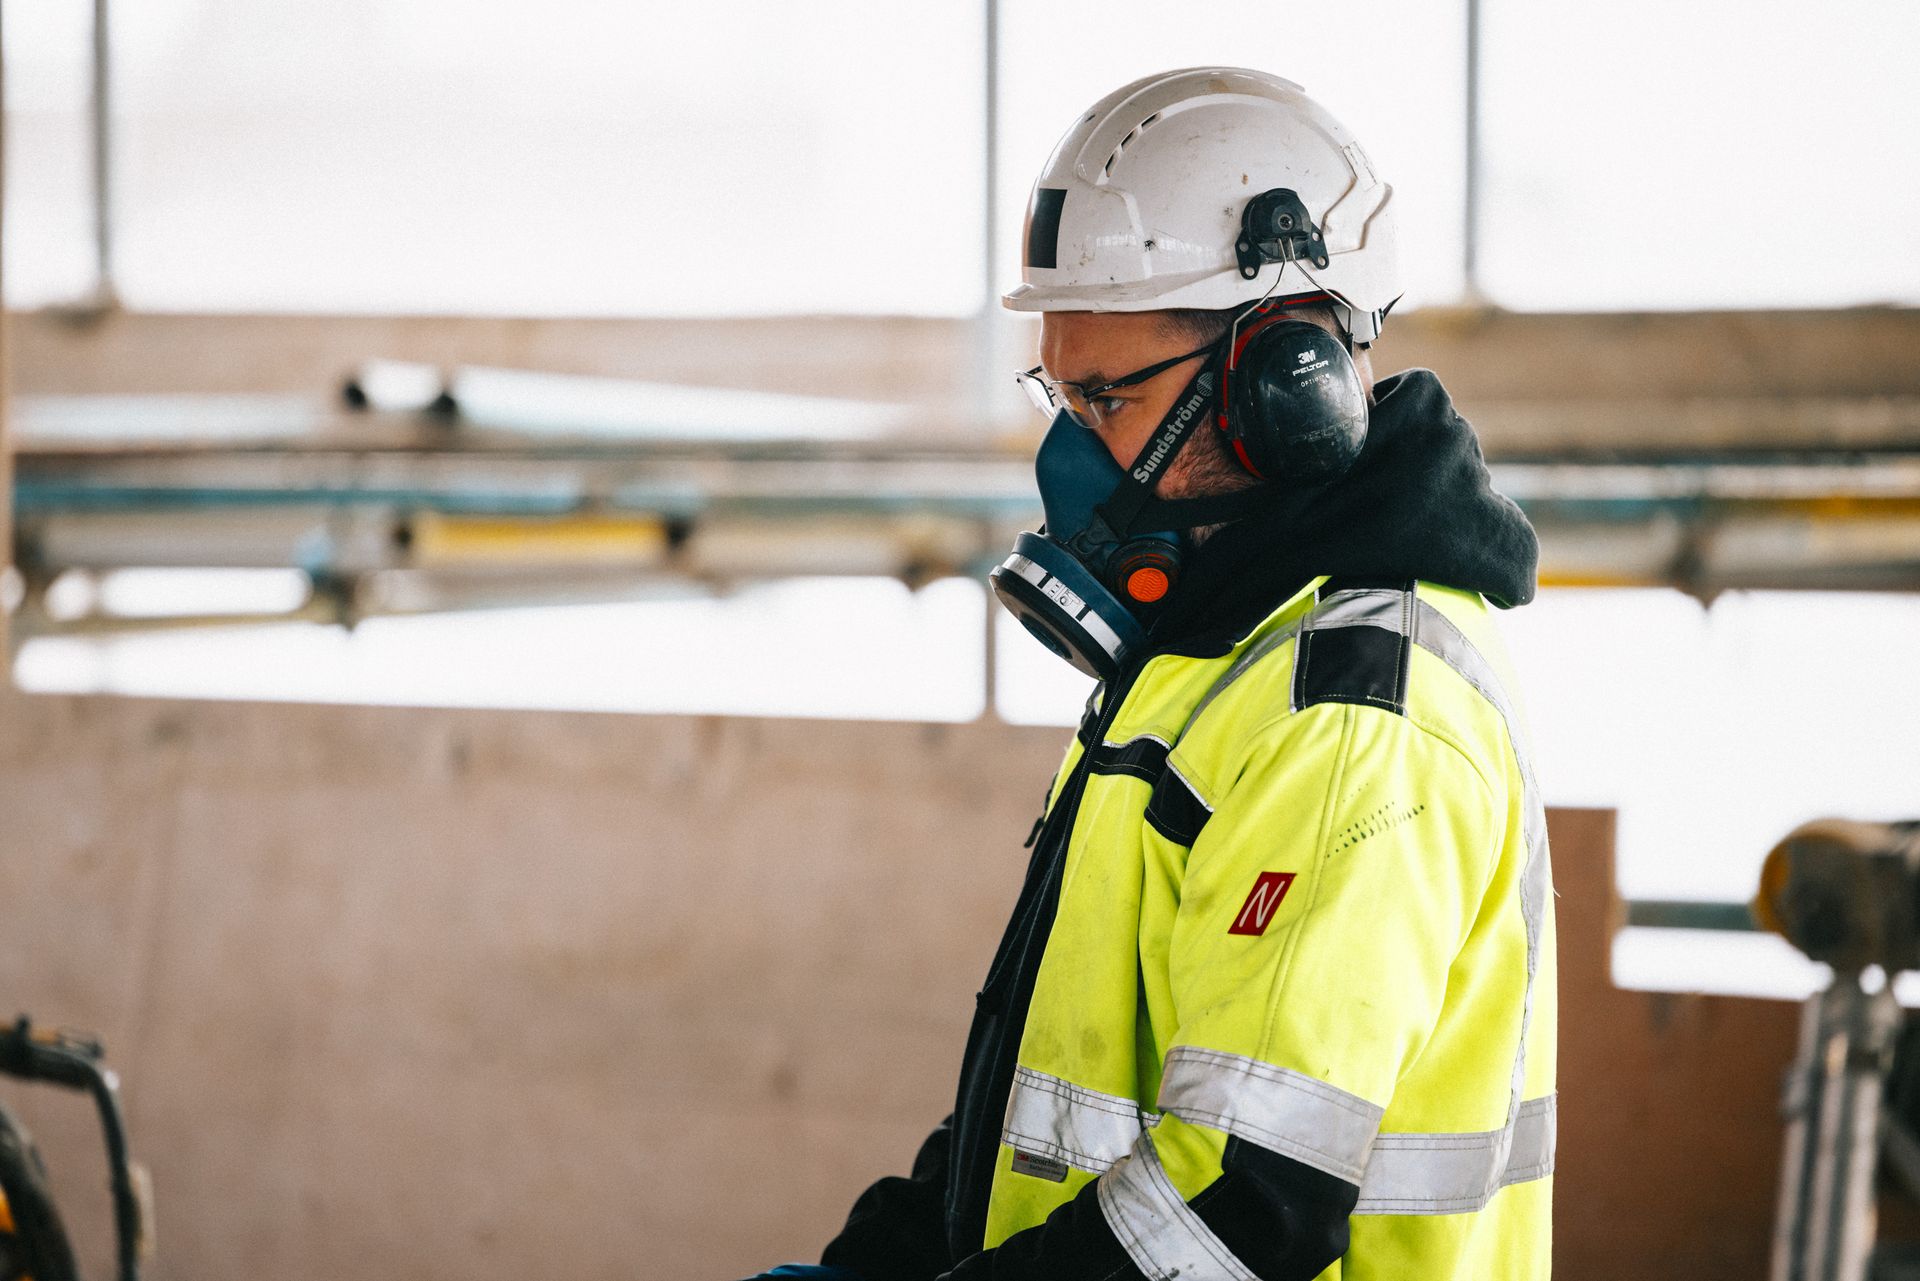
1717, 731
1394, 71
160, 593
559, 156
1033, 686
1763, 965
1738, 153
1714, 733
49, 240
862, 649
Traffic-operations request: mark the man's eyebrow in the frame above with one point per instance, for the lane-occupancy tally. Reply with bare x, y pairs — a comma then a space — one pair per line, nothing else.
1092, 378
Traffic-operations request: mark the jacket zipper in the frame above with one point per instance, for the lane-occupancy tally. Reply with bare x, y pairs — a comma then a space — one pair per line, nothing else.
1055, 831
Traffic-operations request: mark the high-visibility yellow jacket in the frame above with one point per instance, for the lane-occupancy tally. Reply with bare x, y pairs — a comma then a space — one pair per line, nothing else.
1306, 904
1277, 997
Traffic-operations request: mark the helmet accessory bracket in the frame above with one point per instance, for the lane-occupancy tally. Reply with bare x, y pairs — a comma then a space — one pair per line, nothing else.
1275, 227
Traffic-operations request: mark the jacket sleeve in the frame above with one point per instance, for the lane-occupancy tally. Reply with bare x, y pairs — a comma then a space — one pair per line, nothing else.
1335, 877
897, 1229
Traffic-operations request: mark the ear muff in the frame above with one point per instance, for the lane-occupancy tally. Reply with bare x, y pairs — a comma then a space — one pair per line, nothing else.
1292, 402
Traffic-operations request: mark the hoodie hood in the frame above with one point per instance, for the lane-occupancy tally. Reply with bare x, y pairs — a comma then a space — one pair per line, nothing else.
1419, 503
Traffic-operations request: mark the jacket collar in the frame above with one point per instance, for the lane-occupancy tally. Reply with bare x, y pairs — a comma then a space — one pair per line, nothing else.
1419, 504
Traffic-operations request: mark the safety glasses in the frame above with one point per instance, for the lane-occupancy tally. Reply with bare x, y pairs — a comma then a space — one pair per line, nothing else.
1081, 404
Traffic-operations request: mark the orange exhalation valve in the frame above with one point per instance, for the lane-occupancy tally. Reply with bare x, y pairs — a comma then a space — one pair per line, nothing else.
1147, 584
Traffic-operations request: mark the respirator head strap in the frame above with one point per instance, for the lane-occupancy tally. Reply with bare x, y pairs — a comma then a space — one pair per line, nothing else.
1124, 507
1083, 587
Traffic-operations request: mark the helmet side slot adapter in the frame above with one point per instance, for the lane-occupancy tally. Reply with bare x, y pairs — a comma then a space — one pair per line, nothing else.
1275, 227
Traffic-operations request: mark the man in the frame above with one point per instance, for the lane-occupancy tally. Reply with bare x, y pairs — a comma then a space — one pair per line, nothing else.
1277, 998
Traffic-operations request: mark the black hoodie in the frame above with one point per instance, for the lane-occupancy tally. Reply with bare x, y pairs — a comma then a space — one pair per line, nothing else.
1418, 504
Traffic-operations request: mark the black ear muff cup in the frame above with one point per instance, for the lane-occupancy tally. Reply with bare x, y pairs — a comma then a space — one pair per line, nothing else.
1296, 410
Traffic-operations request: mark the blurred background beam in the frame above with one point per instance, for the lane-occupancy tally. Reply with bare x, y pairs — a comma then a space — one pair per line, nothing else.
1706, 451
1486, 357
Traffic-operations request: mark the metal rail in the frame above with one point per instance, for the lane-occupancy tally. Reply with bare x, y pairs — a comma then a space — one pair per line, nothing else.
569, 503
1689, 914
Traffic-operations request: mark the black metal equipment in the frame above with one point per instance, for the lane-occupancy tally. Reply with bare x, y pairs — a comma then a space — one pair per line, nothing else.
33, 1242
1848, 894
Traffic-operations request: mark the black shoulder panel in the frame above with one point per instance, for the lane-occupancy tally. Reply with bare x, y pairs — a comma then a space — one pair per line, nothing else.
1362, 664
1175, 810
1143, 758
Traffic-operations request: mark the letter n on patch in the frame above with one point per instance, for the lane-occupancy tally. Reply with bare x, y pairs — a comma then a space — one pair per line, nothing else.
1262, 903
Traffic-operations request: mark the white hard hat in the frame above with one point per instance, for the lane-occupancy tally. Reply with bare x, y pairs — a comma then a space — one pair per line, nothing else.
1144, 203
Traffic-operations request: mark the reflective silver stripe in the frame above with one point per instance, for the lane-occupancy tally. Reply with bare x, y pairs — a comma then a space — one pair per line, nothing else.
1458, 1173
1434, 632
1440, 636
1157, 1228
1368, 606
1258, 650
1137, 738
1536, 1141
1067, 599
1349, 608
1088, 1130
1276, 1108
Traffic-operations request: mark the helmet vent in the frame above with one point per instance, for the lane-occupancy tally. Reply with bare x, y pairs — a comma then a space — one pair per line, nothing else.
1107, 168
1124, 143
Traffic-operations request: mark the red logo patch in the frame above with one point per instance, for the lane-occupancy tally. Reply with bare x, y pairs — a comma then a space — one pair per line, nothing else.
1262, 903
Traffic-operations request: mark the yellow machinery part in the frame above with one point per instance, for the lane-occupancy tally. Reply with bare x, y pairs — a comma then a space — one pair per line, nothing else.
441, 540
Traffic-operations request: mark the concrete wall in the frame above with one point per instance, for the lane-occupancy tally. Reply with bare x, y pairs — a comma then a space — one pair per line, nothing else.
498, 995
506, 995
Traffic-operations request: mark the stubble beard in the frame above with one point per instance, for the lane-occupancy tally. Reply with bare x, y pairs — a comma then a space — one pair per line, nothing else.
1207, 468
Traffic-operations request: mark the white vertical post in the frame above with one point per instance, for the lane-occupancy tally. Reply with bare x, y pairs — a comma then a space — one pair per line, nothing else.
104, 291
6, 440
987, 321
1470, 242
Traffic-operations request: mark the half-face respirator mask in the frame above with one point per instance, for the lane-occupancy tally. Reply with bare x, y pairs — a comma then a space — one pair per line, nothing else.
1088, 584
